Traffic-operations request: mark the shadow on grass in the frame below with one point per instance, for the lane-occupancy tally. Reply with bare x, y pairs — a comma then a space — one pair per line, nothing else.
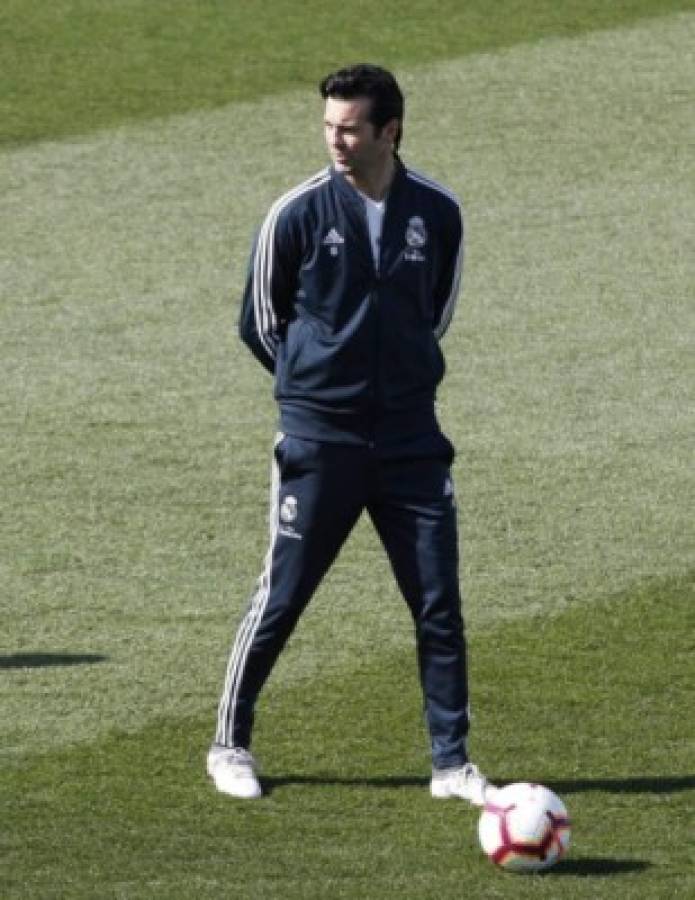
389, 783
649, 784
43, 660
667, 784
597, 866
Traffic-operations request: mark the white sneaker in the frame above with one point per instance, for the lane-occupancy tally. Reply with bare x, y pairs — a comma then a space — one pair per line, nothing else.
464, 782
233, 770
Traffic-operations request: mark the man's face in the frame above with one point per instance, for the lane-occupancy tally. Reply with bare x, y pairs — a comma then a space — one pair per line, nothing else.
352, 141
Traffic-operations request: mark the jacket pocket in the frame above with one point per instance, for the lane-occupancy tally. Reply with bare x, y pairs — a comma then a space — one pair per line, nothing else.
300, 335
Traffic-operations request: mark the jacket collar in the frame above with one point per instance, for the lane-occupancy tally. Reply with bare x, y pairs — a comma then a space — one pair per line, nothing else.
352, 195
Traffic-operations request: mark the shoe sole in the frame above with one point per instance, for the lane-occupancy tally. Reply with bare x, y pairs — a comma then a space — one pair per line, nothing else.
442, 793
255, 795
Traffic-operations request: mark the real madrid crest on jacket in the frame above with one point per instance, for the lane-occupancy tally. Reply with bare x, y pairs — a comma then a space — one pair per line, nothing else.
343, 334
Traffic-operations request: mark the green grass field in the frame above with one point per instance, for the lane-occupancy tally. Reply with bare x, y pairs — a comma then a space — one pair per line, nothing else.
73, 65
142, 143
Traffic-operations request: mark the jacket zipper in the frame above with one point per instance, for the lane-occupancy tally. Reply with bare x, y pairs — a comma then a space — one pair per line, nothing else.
373, 300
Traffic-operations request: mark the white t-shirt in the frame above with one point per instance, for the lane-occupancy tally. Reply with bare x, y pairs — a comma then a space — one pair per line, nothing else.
375, 220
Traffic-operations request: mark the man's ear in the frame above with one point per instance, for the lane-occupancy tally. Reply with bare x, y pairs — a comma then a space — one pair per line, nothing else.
390, 131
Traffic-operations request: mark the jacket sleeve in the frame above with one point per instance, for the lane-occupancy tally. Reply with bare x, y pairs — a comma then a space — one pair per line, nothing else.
449, 284
270, 287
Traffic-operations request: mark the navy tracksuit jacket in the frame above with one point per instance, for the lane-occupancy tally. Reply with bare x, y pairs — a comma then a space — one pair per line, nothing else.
354, 348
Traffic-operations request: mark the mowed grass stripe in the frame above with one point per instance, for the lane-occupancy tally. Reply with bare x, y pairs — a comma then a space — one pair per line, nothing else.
589, 701
134, 519
75, 65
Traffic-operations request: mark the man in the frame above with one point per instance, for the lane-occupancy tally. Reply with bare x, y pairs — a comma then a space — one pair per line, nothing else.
352, 283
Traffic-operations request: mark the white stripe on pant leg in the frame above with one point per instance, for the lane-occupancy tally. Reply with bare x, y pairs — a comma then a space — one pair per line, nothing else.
249, 626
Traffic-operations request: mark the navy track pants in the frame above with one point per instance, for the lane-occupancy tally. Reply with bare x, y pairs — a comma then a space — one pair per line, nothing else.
318, 492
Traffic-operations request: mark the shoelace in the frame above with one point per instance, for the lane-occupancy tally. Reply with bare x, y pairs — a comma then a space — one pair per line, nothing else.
239, 757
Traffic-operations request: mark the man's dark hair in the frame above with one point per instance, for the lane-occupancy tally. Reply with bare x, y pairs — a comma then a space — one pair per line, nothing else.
374, 83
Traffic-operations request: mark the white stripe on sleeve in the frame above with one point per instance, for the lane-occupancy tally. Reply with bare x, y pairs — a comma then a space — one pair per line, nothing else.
264, 311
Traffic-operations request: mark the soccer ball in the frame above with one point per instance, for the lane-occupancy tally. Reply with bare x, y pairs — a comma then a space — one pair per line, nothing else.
524, 827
